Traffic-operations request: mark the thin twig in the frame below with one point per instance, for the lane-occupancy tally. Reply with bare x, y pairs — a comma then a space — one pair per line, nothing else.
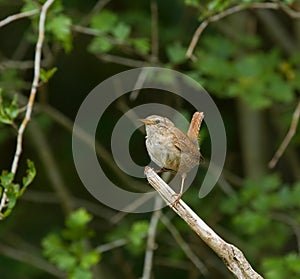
290, 12
35, 83
291, 132
151, 239
20, 65
111, 245
154, 31
134, 63
221, 15
154, 51
39, 140
231, 255
14, 17
183, 245
292, 222
50, 198
31, 259
96, 9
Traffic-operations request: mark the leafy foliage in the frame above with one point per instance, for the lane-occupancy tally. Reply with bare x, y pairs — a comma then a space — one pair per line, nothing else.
45, 75
60, 27
114, 33
260, 78
8, 112
13, 190
68, 250
262, 204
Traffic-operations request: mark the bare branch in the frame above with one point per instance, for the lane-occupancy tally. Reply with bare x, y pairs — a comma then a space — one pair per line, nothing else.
14, 17
51, 167
122, 60
291, 132
183, 245
292, 222
31, 259
231, 255
154, 31
21, 65
112, 245
151, 239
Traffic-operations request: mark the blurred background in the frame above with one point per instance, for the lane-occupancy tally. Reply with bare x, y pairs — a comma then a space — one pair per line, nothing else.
247, 58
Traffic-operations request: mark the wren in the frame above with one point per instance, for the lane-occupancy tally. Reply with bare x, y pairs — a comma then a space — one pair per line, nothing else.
170, 148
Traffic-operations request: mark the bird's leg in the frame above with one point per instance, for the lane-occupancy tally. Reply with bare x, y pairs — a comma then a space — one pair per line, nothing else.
179, 195
165, 170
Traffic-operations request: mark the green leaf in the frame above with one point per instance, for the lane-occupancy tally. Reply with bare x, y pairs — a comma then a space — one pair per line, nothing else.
194, 3
142, 45
176, 53
30, 175
12, 195
60, 27
8, 112
78, 218
90, 259
10, 80
29, 6
45, 75
121, 31
6, 179
250, 222
52, 244
80, 273
100, 45
138, 230
104, 21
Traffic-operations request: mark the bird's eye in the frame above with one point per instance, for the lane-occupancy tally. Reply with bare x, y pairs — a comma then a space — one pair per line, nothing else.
157, 121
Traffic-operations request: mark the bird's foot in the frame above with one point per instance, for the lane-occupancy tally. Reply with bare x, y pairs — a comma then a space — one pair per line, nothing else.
178, 198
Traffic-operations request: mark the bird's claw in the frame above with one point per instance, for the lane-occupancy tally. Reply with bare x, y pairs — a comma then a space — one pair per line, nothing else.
178, 198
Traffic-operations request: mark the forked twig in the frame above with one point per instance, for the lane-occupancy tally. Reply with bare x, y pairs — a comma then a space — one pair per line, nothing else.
291, 132
233, 10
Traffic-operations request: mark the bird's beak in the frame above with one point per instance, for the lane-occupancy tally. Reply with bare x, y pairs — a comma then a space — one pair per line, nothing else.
147, 121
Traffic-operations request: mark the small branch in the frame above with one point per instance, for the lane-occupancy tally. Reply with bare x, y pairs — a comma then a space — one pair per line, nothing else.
21, 65
14, 17
217, 17
183, 245
112, 245
291, 132
31, 259
151, 239
52, 170
122, 60
35, 83
96, 9
154, 31
231, 255
284, 218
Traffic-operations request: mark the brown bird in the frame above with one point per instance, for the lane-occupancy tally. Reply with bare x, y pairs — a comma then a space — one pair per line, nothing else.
170, 148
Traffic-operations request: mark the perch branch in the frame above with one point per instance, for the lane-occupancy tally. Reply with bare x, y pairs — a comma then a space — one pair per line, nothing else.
231, 255
291, 132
